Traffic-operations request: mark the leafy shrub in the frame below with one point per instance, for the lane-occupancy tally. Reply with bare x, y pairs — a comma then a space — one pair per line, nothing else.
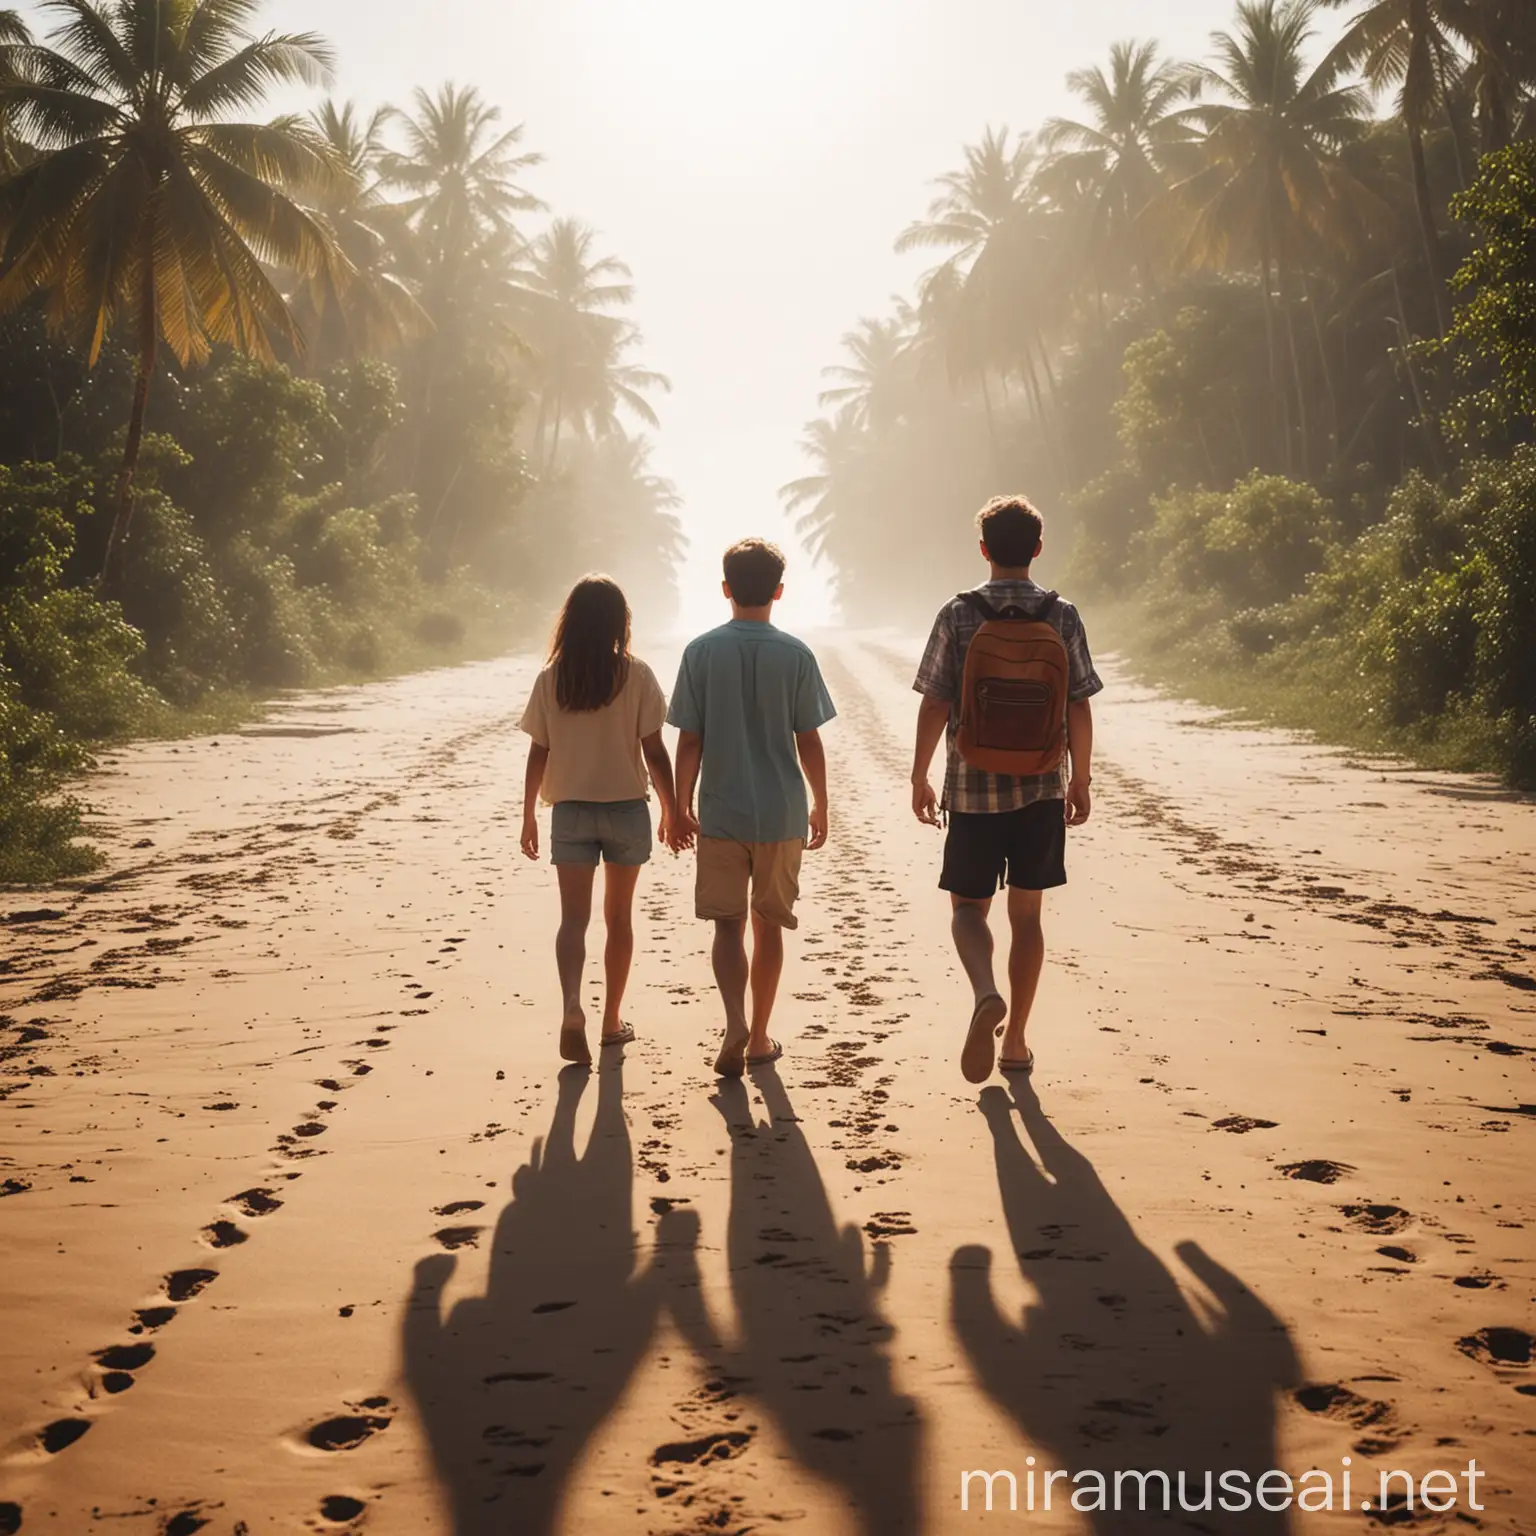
65, 652
1252, 546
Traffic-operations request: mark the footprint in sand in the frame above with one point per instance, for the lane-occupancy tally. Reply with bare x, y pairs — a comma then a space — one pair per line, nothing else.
1240, 1125
1331, 1400
187, 1523
10, 1519
347, 1431
1500, 1347
341, 1509
118, 1364
184, 1284
724, 1446
458, 1207
223, 1234
1317, 1170
255, 1202
453, 1238
1379, 1220
61, 1434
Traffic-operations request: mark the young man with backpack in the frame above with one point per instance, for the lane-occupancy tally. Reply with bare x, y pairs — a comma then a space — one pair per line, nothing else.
1006, 680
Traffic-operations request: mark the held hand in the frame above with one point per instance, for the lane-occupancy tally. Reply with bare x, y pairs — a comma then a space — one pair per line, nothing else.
1079, 802
818, 835
530, 840
681, 831
925, 804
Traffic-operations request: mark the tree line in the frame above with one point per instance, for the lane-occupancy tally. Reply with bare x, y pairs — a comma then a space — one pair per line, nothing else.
1261, 327
281, 398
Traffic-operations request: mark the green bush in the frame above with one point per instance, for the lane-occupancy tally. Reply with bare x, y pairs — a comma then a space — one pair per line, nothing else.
1252, 546
66, 653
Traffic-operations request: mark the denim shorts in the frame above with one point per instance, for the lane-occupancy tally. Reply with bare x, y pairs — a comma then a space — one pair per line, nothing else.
586, 831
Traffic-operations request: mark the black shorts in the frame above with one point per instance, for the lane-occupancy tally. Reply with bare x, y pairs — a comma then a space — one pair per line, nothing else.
1027, 847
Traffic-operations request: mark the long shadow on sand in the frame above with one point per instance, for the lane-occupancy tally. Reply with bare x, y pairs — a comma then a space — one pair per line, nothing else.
513, 1384
813, 1346
1113, 1367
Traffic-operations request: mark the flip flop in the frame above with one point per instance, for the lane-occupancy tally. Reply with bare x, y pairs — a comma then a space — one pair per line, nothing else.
976, 1058
1026, 1064
625, 1035
574, 1047
768, 1057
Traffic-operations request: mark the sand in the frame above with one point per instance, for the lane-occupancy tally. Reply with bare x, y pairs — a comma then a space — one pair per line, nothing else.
305, 1230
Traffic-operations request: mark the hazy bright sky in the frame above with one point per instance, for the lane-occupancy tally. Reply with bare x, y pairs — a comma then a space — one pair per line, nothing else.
752, 164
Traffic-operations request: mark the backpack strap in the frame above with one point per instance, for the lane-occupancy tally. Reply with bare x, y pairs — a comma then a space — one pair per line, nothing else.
979, 603
974, 599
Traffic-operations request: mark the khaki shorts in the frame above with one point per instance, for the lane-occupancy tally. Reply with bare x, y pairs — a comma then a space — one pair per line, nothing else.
734, 876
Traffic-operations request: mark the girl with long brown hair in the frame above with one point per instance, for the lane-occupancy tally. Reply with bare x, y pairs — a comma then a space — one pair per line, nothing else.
595, 719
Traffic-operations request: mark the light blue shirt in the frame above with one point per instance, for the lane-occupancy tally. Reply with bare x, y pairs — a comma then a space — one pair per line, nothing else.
748, 689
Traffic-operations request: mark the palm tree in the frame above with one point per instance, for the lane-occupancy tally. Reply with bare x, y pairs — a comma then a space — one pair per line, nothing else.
1411, 44
578, 345
977, 217
1125, 152
14, 35
975, 200
877, 381
837, 447
141, 201
459, 171
1501, 72
1274, 192
376, 310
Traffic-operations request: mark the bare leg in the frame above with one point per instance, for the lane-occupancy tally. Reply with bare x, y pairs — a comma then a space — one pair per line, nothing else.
571, 953
619, 882
1025, 959
767, 967
973, 943
731, 976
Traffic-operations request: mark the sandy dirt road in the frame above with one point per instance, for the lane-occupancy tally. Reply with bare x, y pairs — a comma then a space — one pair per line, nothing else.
304, 1231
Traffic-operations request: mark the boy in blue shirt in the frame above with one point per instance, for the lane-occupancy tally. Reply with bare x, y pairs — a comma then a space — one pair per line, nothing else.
748, 705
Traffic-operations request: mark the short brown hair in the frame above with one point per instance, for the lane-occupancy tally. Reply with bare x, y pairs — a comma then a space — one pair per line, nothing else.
753, 570
1010, 527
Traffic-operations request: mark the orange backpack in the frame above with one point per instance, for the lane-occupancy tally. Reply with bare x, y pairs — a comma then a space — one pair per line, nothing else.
1013, 709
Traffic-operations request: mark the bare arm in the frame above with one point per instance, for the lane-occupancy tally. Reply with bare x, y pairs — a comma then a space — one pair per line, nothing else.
1080, 750
690, 753
533, 778
813, 760
932, 722
659, 761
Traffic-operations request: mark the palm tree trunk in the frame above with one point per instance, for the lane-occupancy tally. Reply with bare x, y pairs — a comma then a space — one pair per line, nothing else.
1426, 420
122, 496
554, 436
986, 400
1428, 227
1329, 389
1303, 415
1279, 405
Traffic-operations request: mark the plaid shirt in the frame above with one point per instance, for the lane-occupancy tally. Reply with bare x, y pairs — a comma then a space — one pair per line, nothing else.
942, 669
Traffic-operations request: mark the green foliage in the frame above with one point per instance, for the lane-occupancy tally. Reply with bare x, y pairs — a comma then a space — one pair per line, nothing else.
1493, 337
64, 671
1418, 636
1250, 547
67, 653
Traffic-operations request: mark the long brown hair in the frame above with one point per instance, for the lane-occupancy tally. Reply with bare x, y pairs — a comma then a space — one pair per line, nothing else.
590, 647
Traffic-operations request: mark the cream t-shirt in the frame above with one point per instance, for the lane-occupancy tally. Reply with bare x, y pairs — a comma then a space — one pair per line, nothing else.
594, 754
